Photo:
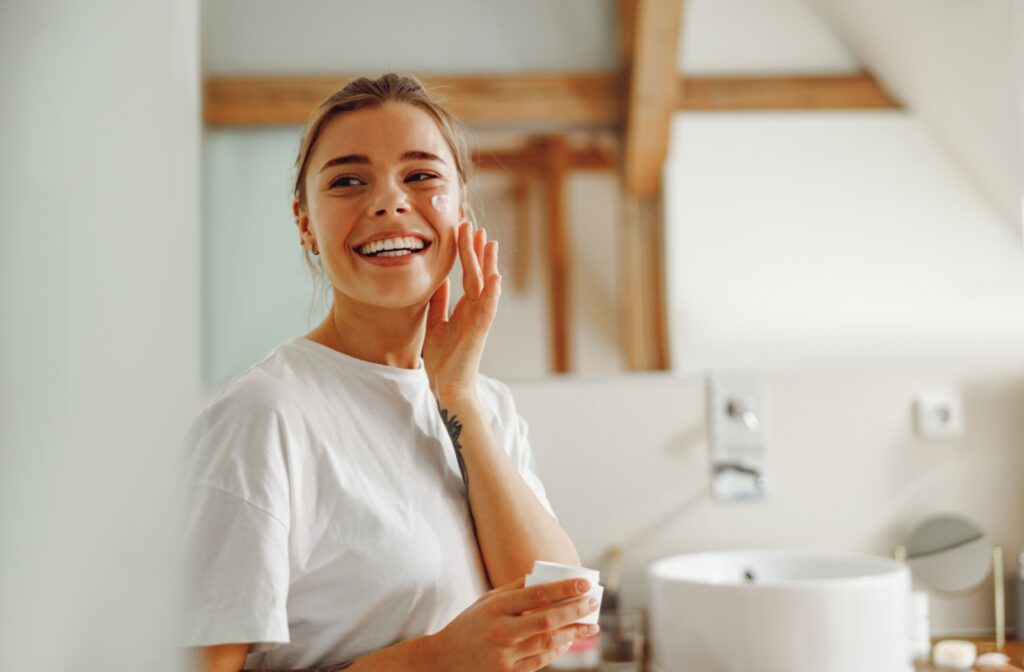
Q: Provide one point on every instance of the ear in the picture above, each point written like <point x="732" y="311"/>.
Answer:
<point x="302" y="221"/>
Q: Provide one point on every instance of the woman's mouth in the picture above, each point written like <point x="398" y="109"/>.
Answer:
<point x="395" y="250"/>
<point x="393" y="247"/>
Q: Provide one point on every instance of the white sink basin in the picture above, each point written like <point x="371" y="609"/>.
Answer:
<point x="779" y="611"/>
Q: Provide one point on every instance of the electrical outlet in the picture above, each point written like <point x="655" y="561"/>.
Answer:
<point x="939" y="413"/>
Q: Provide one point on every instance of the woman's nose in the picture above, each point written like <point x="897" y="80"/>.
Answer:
<point x="389" y="200"/>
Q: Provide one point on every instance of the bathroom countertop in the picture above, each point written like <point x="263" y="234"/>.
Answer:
<point x="1014" y="649"/>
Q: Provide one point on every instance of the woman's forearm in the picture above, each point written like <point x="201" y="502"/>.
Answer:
<point x="513" y="528"/>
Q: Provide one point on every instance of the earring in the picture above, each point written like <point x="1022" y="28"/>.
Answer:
<point x="316" y="250"/>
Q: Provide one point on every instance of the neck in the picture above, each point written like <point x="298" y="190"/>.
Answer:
<point x="389" y="336"/>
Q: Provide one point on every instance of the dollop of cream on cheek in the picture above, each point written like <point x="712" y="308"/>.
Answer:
<point x="442" y="203"/>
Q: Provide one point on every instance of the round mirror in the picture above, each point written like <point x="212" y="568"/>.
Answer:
<point x="949" y="553"/>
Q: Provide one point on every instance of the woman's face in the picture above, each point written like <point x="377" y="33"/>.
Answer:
<point x="370" y="183"/>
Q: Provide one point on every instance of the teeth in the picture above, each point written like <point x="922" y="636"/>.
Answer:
<point x="402" y="244"/>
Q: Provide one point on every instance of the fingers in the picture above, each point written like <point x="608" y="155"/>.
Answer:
<point x="550" y="618"/>
<point x="492" y="285"/>
<point x="472" y="278"/>
<point x="490" y="257"/>
<point x="479" y="240"/>
<point x="542" y="595"/>
<point x="553" y="646"/>
<point x="479" y="263"/>
<point x="437" y="307"/>
<point x="554" y="640"/>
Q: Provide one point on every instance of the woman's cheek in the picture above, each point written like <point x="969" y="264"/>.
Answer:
<point x="451" y="253"/>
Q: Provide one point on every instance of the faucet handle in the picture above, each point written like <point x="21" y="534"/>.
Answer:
<point x="740" y="411"/>
<point x="737" y="480"/>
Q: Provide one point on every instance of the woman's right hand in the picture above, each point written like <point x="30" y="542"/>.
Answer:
<point x="516" y="629"/>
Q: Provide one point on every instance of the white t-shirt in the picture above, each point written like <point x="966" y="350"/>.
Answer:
<point x="325" y="515"/>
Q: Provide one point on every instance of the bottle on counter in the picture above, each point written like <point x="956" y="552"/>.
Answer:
<point x="919" y="627"/>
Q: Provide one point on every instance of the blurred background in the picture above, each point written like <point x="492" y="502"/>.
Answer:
<point x="824" y="196"/>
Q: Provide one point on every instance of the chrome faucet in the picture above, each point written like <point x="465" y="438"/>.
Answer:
<point x="736" y="437"/>
<point x="740" y="469"/>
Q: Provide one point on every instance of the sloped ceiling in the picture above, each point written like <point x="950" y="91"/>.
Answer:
<point x="957" y="65"/>
<point x="759" y="37"/>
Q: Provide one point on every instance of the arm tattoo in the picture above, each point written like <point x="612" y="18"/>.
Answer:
<point x="454" y="428"/>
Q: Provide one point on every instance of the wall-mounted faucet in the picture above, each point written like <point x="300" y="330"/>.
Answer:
<point x="742" y="469"/>
<point x="736" y="436"/>
<point x="741" y="411"/>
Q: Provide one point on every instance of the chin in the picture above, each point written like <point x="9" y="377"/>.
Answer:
<point x="406" y="298"/>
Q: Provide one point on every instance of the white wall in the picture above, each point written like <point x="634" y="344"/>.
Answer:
<point x="835" y="239"/>
<point x="346" y="36"/>
<point x="625" y="461"/>
<point x="99" y="307"/>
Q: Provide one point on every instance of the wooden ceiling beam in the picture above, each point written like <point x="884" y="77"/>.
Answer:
<point x="534" y="158"/>
<point x="653" y="75"/>
<point x="782" y="93"/>
<point x="577" y="99"/>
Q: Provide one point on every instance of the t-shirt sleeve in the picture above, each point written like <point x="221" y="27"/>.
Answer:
<point x="236" y="572"/>
<point x="234" y="527"/>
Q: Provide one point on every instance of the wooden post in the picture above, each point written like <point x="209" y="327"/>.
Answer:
<point x="556" y="166"/>
<point x="643" y="299"/>
<point x="655" y="268"/>
<point x="524" y="252"/>
<point x="632" y="297"/>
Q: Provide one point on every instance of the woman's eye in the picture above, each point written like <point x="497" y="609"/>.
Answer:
<point x="420" y="177"/>
<point x="346" y="181"/>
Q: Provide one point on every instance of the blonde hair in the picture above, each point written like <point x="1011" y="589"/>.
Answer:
<point x="368" y="93"/>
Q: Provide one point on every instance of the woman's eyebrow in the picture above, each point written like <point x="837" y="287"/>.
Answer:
<point x="344" y="160"/>
<point x="413" y="155"/>
<point x="417" y="155"/>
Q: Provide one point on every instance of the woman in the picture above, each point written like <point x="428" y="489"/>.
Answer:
<point x="354" y="496"/>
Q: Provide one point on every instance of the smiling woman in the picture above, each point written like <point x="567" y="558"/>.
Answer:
<point x="330" y="518"/>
